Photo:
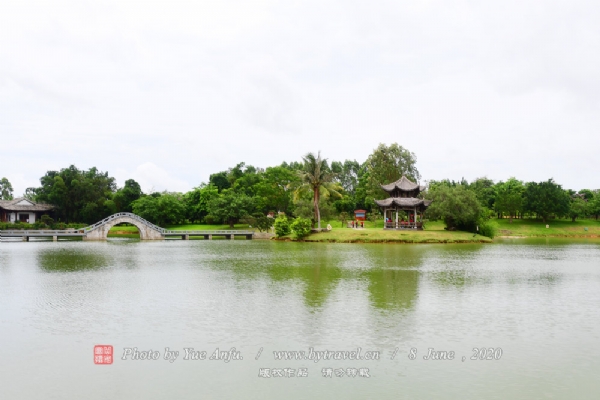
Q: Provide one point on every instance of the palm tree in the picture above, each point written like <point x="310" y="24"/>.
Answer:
<point x="315" y="175"/>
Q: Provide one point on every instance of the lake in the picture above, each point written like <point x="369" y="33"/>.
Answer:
<point x="516" y="319"/>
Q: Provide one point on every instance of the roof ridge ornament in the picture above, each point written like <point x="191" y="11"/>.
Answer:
<point x="403" y="184"/>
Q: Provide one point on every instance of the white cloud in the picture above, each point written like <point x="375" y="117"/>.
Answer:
<point x="153" y="178"/>
<point x="197" y="86"/>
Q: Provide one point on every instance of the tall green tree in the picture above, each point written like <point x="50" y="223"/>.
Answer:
<point x="79" y="195"/>
<point x="160" y="208"/>
<point x="30" y="193"/>
<point x="546" y="199"/>
<point x="196" y="201"/>
<point x="220" y="180"/>
<point x="245" y="178"/>
<point x="387" y="164"/>
<point x="347" y="175"/>
<point x="485" y="191"/>
<point x="230" y="206"/>
<point x="578" y="208"/>
<point x="594" y="204"/>
<point x="509" y="197"/>
<point x="6" y="189"/>
<point x="274" y="191"/>
<point x="124" y="197"/>
<point x="361" y="194"/>
<point x="317" y="177"/>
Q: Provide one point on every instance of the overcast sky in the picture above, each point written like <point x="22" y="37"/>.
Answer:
<point x="168" y="92"/>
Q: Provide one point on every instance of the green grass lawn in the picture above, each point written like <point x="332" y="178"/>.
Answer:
<point x="375" y="235"/>
<point x="373" y="232"/>
<point x="557" y="228"/>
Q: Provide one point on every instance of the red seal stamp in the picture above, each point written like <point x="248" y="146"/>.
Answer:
<point x="103" y="354"/>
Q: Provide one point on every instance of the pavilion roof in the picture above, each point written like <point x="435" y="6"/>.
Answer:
<point x="403" y="202"/>
<point x="403" y="184"/>
<point x="23" y="204"/>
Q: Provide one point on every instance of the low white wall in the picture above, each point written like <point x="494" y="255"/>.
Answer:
<point x="17" y="216"/>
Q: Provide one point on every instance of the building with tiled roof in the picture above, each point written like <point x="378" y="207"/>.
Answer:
<point x="22" y="210"/>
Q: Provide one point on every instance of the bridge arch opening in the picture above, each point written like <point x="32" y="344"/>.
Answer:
<point x="138" y="226"/>
<point x="124" y="230"/>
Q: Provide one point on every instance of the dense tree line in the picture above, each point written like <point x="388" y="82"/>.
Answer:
<point x="312" y="188"/>
<point x="470" y="206"/>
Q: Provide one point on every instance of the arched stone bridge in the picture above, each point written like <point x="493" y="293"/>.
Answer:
<point x="99" y="231"/>
<point x="148" y="231"/>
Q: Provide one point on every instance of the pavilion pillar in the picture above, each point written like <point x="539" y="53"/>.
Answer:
<point x="396" y="218"/>
<point x="55" y="238"/>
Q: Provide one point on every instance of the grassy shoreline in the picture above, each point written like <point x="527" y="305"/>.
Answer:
<point x="342" y="235"/>
<point x="434" y="232"/>
<point x="526" y="228"/>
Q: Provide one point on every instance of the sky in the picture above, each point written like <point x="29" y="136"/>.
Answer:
<point x="168" y="92"/>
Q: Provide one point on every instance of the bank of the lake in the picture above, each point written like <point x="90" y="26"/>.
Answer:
<point x="586" y="228"/>
<point x="434" y="232"/>
<point x="341" y="235"/>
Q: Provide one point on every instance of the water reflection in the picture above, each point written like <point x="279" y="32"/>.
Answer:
<point x="70" y="259"/>
<point x="394" y="276"/>
<point x="455" y="277"/>
<point x="318" y="268"/>
<point x="4" y="259"/>
<point x="393" y="289"/>
<point x="391" y="273"/>
<point x="129" y="252"/>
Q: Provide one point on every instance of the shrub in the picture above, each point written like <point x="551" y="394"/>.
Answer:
<point x="264" y="223"/>
<point x="46" y="220"/>
<point x="488" y="228"/>
<point x="211" y="220"/>
<point x="282" y="226"/>
<point x="457" y="206"/>
<point x="344" y="216"/>
<point x="248" y="220"/>
<point x="301" y="227"/>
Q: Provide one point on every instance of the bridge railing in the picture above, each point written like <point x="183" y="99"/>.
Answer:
<point x="22" y="232"/>
<point x="210" y="232"/>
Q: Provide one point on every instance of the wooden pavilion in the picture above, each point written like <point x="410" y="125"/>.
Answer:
<point x="403" y="197"/>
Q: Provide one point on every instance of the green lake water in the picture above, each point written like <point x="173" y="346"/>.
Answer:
<point x="538" y="301"/>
